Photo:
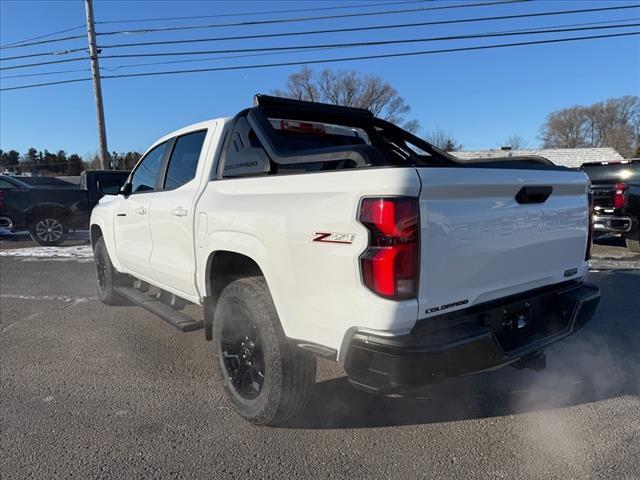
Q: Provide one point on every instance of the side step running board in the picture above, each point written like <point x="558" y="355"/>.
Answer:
<point x="182" y="322"/>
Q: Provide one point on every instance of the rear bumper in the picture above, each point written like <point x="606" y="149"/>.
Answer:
<point x="612" y="224"/>
<point x="474" y="340"/>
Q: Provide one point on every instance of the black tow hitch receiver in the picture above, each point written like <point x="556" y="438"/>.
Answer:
<point x="514" y="321"/>
<point x="536" y="361"/>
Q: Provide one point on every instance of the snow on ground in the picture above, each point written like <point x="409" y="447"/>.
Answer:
<point x="79" y="252"/>
<point x="621" y="259"/>
<point x="596" y="264"/>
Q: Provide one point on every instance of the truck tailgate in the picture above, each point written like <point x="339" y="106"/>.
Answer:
<point x="603" y="198"/>
<point x="479" y="243"/>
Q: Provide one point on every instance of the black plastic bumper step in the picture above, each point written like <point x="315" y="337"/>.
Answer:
<point x="179" y="320"/>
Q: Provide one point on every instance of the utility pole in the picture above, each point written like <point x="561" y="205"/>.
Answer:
<point x="97" y="87"/>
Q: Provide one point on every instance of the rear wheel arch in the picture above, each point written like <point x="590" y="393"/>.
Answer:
<point x="223" y="267"/>
<point x="38" y="211"/>
<point x="98" y="229"/>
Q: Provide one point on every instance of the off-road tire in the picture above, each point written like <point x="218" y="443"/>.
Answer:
<point x="289" y="373"/>
<point x="108" y="277"/>
<point x="48" y="230"/>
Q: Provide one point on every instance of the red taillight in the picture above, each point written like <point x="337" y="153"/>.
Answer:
<point x="620" y="196"/>
<point x="391" y="264"/>
<point x="302" y="127"/>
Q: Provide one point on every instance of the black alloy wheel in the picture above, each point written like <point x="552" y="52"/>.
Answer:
<point x="242" y="355"/>
<point x="48" y="231"/>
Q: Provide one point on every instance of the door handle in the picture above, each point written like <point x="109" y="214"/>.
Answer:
<point x="179" y="212"/>
<point x="534" y="194"/>
<point x="141" y="210"/>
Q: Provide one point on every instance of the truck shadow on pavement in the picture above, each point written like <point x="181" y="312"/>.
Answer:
<point x="600" y="362"/>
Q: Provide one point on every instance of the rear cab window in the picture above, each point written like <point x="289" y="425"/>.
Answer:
<point x="301" y="136"/>
<point x="184" y="159"/>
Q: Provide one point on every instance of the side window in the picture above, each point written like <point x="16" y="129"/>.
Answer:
<point x="6" y="184"/>
<point x="145" y="176"/>
<point x="184" y="159"/>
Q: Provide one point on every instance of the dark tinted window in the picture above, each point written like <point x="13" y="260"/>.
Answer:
<point x="47" y="182"/>
<point x="300" y="141"/>
<point x="184" y="159"/>
<point x="612" y="173"/>
<point x="145" y="175"/>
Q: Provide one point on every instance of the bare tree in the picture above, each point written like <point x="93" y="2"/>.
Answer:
<point x="516" y="142"/>
<point x="612" y="123"/>
<point x="443" y="140"/>
<point x="351" y="89"/>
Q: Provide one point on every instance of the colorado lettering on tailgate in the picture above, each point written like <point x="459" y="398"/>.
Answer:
<point x="446" y="306"/>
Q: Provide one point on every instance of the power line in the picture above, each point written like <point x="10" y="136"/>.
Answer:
<point x="41" y="54"/>
<point x="373" y="57"/>
<point x="309" y="19"/>
<point x="372" y="27"/>
<point x="332" y="60"/>
<point x="316" y="48"/>
<point x="339" y="30"/>
<point x="355" y="44"/>
<point x="14" y="44"/>
<point x="305" y="48"/>
<point x="40" y="74"/>
<point x="208" y="59"/>
<point x="50" y="62"/>
<point x="40" y="42"/>
<point x="532" y="31"/>
<point x="117" y="67"/>
<point x="272" y="12"/>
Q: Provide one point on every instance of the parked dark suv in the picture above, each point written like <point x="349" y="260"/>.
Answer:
<point x="615" y="187"/>
<point x="49" y="207"/>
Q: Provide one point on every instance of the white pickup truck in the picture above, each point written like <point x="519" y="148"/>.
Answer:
<point x="313" y="230"/>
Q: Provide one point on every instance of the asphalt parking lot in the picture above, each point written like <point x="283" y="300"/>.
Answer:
<point x="90" y="391"/>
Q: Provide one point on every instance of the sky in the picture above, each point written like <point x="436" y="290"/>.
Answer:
<point x="480" y="97"/>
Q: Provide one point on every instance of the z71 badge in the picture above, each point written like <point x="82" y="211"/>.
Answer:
<point x="333" y="237"/>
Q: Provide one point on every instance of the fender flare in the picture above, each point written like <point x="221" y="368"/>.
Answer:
<point x="47" y="205"/>
<point x="108" y="241"/>
<point x="249" y="246"/>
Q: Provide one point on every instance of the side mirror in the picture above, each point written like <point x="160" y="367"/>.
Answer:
<point x="109" y="187"/>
